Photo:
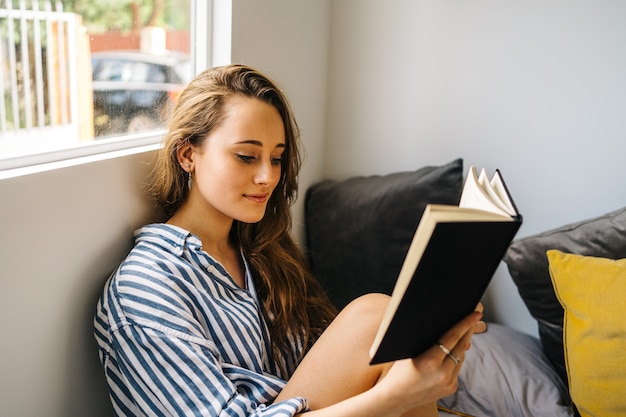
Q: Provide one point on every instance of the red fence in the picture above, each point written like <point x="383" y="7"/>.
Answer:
<point x="174" y="41"/>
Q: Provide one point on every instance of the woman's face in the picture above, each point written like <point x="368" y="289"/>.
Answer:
<point x="238" y="165"/>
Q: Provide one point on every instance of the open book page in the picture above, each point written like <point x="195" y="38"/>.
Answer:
<point x="493" y="194"/>
<point x="482" y="194"/>
<point x="497" y="183"/>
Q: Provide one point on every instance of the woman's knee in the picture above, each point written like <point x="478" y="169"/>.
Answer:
<point x="367" y="310"/>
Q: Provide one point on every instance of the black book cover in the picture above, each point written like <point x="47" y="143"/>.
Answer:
<point x="450" y="279"/>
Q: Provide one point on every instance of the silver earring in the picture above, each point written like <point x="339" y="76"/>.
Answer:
<point x="189" y="181"/>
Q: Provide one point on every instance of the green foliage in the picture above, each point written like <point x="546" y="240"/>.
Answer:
<point x="115" y="15"/>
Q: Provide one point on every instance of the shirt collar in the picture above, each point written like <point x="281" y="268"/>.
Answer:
<point x="172" y="238"/>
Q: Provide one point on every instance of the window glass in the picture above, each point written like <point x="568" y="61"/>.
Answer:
<point x="74" y="72"/>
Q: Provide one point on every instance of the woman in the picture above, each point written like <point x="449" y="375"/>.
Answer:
<point x="215" y="313"/>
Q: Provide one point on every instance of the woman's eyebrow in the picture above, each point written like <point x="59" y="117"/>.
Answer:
<point x="257" y="143"/>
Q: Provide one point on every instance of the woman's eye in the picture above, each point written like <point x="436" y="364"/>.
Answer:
<point x="277" y="160"/>
<point x="246" y="158"/>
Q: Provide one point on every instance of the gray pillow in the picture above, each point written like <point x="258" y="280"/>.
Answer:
<point x="506" y="373"/>
<point x="359" y="230"/>
<point x="603" y="236"/>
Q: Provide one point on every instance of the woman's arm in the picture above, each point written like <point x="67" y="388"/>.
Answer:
<point x="165" y="374"/>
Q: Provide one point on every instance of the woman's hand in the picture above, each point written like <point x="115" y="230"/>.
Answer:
<point x="433" y="374"/>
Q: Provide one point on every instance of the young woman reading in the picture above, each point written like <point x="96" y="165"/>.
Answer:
<point x="214" y="312"/>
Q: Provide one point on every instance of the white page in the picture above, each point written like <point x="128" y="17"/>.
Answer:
<point x="475" y="196"/>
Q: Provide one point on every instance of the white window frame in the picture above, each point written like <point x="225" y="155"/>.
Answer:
<point x="210" y="45"/>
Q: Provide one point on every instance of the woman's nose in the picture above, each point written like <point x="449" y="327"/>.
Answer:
<point x="265" y="174"/>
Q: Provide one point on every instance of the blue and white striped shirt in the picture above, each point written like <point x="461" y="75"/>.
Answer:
<point x="177" y="336"/>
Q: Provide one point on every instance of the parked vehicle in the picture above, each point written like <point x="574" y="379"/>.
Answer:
<point x="135" y="91"/>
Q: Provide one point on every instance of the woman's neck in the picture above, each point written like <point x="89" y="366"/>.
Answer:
<point x="214" y="233"/>
<point x="212" y="227"/>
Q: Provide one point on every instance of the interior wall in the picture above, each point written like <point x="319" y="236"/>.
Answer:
<point x="63" y="232"/>
<point x="534" y="88"/>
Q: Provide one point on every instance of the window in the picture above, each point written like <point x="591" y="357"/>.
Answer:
<point x="84" y="76"/>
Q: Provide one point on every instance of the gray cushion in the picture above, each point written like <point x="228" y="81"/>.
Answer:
<point x="506" y="373"/>
<point x="603" y="236"/>
<point x="359" y="230"/>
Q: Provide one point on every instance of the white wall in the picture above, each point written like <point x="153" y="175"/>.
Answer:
<point x="534" y="88"/>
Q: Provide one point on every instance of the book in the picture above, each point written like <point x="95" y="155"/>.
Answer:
<point x="452" y="257"/>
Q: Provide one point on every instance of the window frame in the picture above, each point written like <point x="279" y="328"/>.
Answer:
<point x="204" y="15"/>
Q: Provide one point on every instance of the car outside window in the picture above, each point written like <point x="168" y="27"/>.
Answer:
<point x="135" y="91"/>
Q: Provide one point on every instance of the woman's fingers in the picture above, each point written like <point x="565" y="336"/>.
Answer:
<point x="449" y="354"/>
<point x="458" y="339"/>
<point x="481" y="326"/>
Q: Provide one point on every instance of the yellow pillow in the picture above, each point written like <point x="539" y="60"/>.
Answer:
<point x="593" y="293"/>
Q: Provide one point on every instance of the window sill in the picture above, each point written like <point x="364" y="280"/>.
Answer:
<point x="89" y="152"/>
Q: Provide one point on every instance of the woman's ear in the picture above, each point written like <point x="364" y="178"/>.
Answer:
<point x="184" y="154"/>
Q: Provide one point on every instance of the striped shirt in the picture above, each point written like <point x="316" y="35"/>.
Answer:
<point x="177" y="336"/>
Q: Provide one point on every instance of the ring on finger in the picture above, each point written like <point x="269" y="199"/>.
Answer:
<point x="455" y="358"/>
<point x="449" y="354"/>
<point x="443" y="348"/>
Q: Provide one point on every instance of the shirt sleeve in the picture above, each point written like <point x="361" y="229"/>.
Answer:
<point x="169" y="374"/>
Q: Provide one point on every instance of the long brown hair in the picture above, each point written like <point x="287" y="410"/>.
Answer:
<point x="298" y="306"/>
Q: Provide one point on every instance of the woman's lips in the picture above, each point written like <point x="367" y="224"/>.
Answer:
<point x="257" y="198"/>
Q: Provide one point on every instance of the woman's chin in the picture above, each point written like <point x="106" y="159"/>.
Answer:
<point x="250" y="219"/>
